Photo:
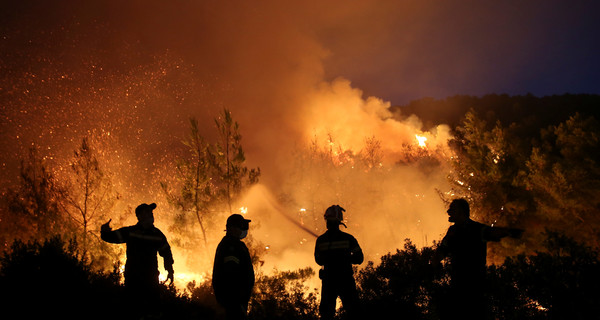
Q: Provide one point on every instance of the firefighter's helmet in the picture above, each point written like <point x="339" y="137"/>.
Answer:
<point x="335" y="213"/>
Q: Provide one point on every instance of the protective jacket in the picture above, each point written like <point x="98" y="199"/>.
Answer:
<point x="337" y="251"/>
<point x="142" y="246"/>
<point x="233" y="274"/>
<point x="466" y="245"/>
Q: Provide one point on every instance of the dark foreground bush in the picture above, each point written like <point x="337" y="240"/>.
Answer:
<point x="559" y="283"/>
<point x="284" y="295"/>
<point x="47" y="280"/>
<point x="404" y="284"/>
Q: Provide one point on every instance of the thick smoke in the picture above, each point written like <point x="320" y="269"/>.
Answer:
<point x="385" y="204"/>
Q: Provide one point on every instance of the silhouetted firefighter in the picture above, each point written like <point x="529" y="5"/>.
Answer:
<point x="465" y="244"/>
<point x="337" y="251"/>
<point x="233" y="275"/>
<point x="143" y="241"/>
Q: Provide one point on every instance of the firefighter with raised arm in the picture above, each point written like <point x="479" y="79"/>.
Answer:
<point x="233" y="274"/>
<point x="465" y="244"/>
<point x="143" y="241"/>
<point x="336" y="251"/>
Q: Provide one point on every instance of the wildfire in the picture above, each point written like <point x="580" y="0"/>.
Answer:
<point x="243" y="210"/>
<point x="421" y="140"/>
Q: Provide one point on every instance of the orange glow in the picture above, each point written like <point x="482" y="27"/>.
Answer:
<point x="183" y="278"/>
<point x="421" y="140"/>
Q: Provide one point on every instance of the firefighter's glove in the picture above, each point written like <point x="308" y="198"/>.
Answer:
<point x="170" y="277"/>
<point x="106" y="227"/>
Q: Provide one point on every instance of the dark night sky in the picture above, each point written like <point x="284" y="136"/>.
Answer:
<point x="442" y="48"/>
<point x="394" y="50"/>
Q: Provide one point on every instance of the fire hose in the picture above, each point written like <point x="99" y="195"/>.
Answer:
<point x="275" y="204"/>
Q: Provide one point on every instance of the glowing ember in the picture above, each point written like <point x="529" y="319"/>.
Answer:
<point x="421" y="140"/>
<point x="243" y="210"/>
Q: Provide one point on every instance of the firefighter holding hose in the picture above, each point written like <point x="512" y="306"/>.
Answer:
<point x="336" y="251"/>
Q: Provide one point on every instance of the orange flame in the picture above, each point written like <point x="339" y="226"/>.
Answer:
<point x="421" y="140"/>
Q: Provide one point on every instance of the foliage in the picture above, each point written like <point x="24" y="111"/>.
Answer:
<point x="486" y="165"/>
<point x="228" y="160"/>
<point x="485" y="168"/>
<point x="33" y="206"/>
<point x="559" y="282"/>
<point x="211" y="179"/>
<point x="49" y="276"/>
<point x="549" y="184"/>
<point x="45" y="279"/>
<point x="404" y="283"/>
<point x="197" y="192"/>
<point x="319" y="173"/>
<point x="88" y="196"/>
<point x="563" y="174"/>
<point x="284" y="295"/>
<point x="324" y="172"/>
<point x="371" y="155"/>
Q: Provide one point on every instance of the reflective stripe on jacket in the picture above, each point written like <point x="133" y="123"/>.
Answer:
<point x="142" y="247"/>
<point x="233" y="274"/>
<point x="337" y="251"/>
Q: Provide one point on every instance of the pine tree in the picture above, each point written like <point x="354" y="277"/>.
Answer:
<point x="485" y="170"/>
<point x="211" y="178"/>
<point x="564" y="176"/>
<point x="89" y="195"/>
<point x="197" y="190"/>
<point x="34" y="210"/>
<point x="228" y="160"/>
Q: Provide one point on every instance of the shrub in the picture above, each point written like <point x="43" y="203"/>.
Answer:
<point x="284" y="295"/>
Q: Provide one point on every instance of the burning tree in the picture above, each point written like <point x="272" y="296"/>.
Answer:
<point x="372" y="156"/>
<point x="213" y="177"/>
<point x="196" y="193"/>
<point x="89" y="194"/>
<point x="33" y="206"/>
<point x="318" y="174"/>
<point x="228" y="160"/>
